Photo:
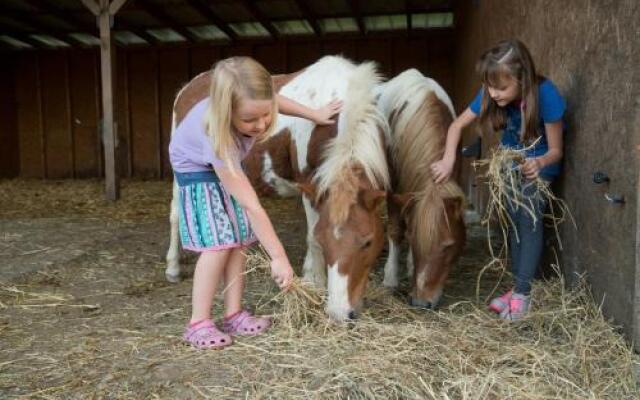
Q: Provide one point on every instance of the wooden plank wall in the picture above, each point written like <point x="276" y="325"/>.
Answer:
<point x="57" y="118"/>
<point x="9" y="161"/>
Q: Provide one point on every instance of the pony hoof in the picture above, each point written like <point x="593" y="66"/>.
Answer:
<point x="390" y="283"/>
<point x="173" y="278"/>
<point x="419" y="303"/>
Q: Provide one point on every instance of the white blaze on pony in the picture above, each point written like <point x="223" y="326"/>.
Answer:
<point x="341" y="169"/>
<point x="419" y="113"/>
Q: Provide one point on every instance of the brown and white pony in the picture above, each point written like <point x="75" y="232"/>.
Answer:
<point x="340" y="169"/>
<point x="419" y="113"/>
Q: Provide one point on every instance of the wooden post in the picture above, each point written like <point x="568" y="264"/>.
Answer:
<point x="105" y="11"/>
<point x="108" y="132"/>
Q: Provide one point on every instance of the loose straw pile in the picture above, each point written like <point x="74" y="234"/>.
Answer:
<point x="505" y="180"/>
<point x="302" y="304"/>
<point x="106" y="325"/>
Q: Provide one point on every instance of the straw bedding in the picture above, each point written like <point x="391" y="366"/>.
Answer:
<point x="106" y="325"/>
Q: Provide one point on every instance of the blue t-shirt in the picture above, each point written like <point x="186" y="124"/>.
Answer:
<point x="551" y="108"/>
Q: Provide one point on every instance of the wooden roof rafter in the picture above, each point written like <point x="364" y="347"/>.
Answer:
<point x="261" y="18"/>
<point x="203" y="21"/>
<point x="114" y="7"/>
<point x="25" y="38"/>
<point x="309" y="16"/>
<point x="357" y="14"/>
<point x="41" y="29"/>
<point x="68" y="18"/>
<point x="204" y="9"/>
<point x="166" y="19"/>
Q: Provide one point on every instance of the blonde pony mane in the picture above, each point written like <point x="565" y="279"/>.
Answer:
<point x="358" y="148"/>
<point x="419" y="113"/>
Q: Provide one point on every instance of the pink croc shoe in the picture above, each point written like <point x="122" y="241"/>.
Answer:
<point x="519" y="307"/>
<point x="245" y="324"/>
<point x="499" y="304"/>
<point x="205" y="335"/>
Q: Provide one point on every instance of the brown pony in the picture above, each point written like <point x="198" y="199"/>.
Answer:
<point x="429" y="214"/>
<point x="340" y="169"/>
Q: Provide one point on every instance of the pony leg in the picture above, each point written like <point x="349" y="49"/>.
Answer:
<point x="410" y="266"/>
<point x="313" y="269"/>
<point x="391" y="266"/>
<point x="172" y="273"/>
<point x="395" y="235"/>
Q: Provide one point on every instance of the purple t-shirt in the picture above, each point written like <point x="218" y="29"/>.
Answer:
<point x="191" y="150"/>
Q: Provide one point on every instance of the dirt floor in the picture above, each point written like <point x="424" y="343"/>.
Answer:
<point x="85" y="310"/>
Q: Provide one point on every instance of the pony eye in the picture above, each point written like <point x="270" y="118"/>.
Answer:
<point x="366" y="244"/>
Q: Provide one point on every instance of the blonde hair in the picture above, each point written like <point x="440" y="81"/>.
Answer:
<point x="233" y="80"/>
<point x="509" y="58"/>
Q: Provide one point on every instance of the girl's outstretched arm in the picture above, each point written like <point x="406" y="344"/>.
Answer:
<point x="238" y="185"/>
<point x="321" y="116"/>
<point x="442" y="169"/>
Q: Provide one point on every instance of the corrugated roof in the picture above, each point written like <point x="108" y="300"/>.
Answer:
<point x="249" y="29"/>
<point x="294" y="27"/>
<point x="63" y="23"/>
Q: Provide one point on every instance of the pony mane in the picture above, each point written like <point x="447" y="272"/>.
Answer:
<point x="420" y="113"/>
<point x="359" y="145"/>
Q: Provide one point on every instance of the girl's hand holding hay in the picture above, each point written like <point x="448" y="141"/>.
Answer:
<point x="300" y="303"/>
<point x="531" y="167"/>
<point x="281" y="272"/>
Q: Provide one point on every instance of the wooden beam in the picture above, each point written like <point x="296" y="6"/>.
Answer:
<point x="261" y="18"/>
<point x="112" y="182"/>
<point x="63" y="15"/>
<point x="25" y="38"/>
<point x="166" y="19"/>
<point x="309" y="16"/>
<point x="357" y="13"/>
<point x="115" y="6"/>
<point x="207" y="12"/>
<point x="92" y="6"/>
<point x="38" y="27"/>
<point x="142" y="34"/>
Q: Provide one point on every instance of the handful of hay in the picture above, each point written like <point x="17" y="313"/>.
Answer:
<point x="302" y="304"/>
<point x="505" y="181"/>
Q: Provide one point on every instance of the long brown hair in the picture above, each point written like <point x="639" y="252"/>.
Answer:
<point x="509" y="58"/>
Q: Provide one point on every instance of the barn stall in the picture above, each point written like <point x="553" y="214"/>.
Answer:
<point x="83" y="293"/>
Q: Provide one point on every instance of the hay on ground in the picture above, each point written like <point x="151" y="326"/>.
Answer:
<point x="106" y="325"/>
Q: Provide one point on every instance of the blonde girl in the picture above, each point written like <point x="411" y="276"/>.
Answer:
<point x="528" y="110"/>
<point x="220" y="214"/>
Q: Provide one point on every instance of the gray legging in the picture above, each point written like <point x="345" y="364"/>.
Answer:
<point x="527" y="251"/>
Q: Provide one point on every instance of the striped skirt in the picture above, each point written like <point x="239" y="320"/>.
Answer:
<point x="210" y="218"/>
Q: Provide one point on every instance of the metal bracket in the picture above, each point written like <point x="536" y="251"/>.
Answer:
<point x="599" y="178"/>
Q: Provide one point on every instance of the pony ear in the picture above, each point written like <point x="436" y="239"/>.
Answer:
<point x="401" y="200"/>
<point x="372" y="198"/>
